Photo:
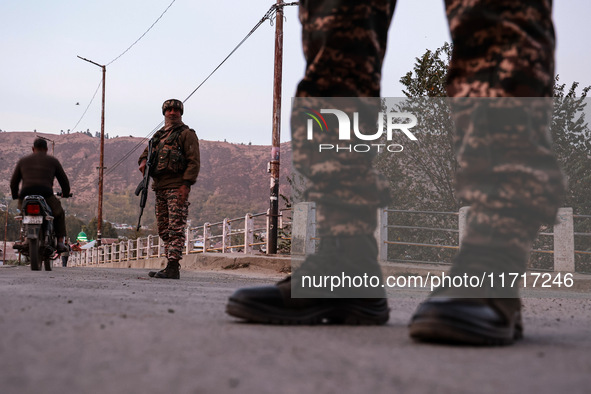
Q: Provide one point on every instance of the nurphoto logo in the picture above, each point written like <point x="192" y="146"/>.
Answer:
<point x="388" y="123"/>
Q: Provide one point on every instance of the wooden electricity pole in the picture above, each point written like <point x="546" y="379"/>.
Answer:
<point x="275" y="149"/>
<point x="5" y="232"/>
<point x="99" y="224"/>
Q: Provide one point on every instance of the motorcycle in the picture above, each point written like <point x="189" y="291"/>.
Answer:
<point x="39" y="241"/>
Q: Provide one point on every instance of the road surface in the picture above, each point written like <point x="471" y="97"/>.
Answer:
<point x="100" y="330"/>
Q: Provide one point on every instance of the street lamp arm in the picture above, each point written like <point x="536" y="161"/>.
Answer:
<point x="90" y="61"/>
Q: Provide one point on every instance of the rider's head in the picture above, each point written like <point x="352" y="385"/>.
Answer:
<point x="40" y="145"/>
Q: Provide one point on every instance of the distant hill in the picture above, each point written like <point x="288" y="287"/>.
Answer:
<point x="233" y="178"/>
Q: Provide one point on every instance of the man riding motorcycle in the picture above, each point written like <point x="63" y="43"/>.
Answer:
<point x="37" y="172"/>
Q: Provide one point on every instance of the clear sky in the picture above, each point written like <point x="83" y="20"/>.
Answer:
<point x="41" y="79"/>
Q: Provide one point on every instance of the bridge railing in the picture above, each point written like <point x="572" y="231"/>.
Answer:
<point x="401" y="234"/>
<point x="243" y="235"/>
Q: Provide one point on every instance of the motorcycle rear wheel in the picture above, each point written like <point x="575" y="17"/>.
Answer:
<point x="34" y="255"/>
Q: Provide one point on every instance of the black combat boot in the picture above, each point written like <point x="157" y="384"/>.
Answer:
<point x="468" y="321"/>
<point x="350" y="256"/>
<point x="170" y="272"/>
<point x="61" y="246"/>
<point x="487" y="315"/>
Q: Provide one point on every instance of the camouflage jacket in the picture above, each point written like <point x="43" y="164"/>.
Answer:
<point x="175" y="158"/>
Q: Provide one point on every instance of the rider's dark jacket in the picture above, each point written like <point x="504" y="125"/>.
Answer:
<point x="37" y="172"/>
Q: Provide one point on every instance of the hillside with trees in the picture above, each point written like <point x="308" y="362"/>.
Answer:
<point x="233" y="179"/>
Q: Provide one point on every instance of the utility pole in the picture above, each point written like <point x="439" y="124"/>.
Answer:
<point x="101" y="168"/>
<point x="5" y="232"/>
<point x="275" y="149"/>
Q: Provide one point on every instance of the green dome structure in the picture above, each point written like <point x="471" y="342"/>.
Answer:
<point x="82" y="237"/>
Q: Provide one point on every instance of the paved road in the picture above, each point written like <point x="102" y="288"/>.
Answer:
<point x="98" y="330"/>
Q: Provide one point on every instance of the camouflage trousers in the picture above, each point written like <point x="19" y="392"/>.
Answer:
<point x="171" y="218"/>
<point x="501" y="48"/>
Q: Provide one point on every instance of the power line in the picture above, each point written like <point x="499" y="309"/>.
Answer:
<point x="142" y="36"/>
<point x="139" y="144"/>
<point x="123" y="53"/>
<point x="91" y="100"/>
<point x="268" y="15"/>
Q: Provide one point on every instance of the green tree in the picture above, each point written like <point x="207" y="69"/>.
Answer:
<point x="124" y="208"/>
<point x="429" y="73"/>
<point x="572" y="143"/>
<point x="107" y="230"/>
<point x="73" y="227"/>
<point x="425" y="169"/>
<point x="11" y="225"/>
<point x="421" y="177"/>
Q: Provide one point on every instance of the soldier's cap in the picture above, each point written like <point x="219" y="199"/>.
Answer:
<point x="40" y="143"/>
<point x="172" y="103"/>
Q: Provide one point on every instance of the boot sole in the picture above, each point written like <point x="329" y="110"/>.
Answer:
<point x="457" y="331"/>
<point x="353" y="312"/>
<point x="154" y="274"/>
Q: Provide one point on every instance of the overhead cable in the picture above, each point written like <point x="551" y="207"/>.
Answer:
<point x="88" y="106"/>
<point x="270" y="14"/>
<point x="146" y="32"/>
<point x="123" y="53"/>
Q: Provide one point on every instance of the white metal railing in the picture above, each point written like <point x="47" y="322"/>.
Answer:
<point x="247" y="235"/>
<point x="243" y="235"/>
<point x="563" y="250"/>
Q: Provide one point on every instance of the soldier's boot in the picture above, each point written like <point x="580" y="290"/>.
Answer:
<point x="470" y="321"/>
<point x="487" y="316"/>
<point x="151" y="274"/>
<point x="61" y="246"/>
<point x="171" y="271"/>
<point x="21" y="247"/>
<point x="275" y="304"/>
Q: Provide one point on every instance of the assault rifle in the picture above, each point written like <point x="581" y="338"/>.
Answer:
<point x="142" y="187"/>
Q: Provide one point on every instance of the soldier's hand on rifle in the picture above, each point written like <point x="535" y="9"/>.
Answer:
<point x="183" y="193"/>
<point x="142" y="167"/>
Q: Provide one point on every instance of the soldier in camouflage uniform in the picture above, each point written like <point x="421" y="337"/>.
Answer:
<point x="175" y="166"/>
<point x="508" y="173"/>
